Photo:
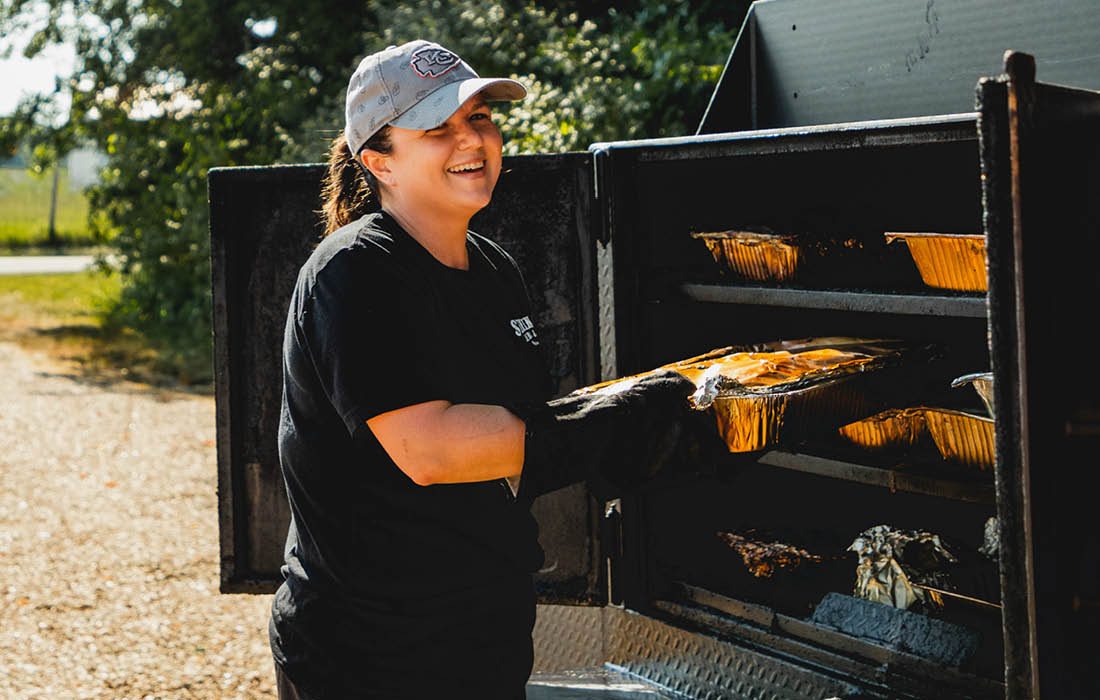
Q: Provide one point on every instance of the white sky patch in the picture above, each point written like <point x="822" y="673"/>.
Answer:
<point x="20" y="76"/>
<point x="262" y="28"/>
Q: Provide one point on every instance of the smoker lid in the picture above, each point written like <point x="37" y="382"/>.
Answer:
<point x="801" y="62"/>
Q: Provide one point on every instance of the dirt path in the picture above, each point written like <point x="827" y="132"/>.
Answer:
<point x="109" y="546"/>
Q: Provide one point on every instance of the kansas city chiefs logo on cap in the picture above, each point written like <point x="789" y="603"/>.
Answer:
<point x="432" y="62"/>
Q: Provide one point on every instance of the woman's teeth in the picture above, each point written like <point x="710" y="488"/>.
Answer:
<point x="467" y="167"/>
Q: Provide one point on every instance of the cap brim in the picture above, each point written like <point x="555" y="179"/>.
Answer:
<point x="438" y="106"/>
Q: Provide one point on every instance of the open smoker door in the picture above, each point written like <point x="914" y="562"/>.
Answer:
<point x="1040" y="151"/>
<point x="263" y="225"/>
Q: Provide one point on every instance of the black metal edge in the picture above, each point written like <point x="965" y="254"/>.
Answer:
<point x="626" y="273"/>
<point x="223" y="375"/>
<point x="589" y="222"/>
<point x="1029" y="116"/>
<point x="869" y="302"/>
<point x="998" y="104"/>
<point x="635" y="567"/>
<point x="252" y="171"/>
<point x="235" y="575"/>
<point x="1066" y="104"/>
<point x="886" y="132"/>
<point x="578" y="592"/>
<point x="886" y="478"/>
<point x="748" y="612"/>
<point x="249" y="586"/>
<point x="726" y="109"/>
<point x="310" y="171"/>
<point x="588" y="295"/>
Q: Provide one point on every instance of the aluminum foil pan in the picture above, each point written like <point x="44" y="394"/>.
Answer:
<point x="947" y="261"/>
<point x="784" y="391"/>
<point x="962" y="438"/>
<point x="750" y="422"/>
<point x="982" y="383"/>
<point x="759" y="255"/>
<point x="896" y="428"/>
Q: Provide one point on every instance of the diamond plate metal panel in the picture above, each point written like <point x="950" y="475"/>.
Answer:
<point x="605" y="280"/>
<point x="704" y="667"/>
<point x="594" y="684"/>
<point x="568" y="637"/>
<point x="691" y="664"/>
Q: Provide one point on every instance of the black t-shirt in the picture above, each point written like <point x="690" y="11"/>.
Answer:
<point x="388" y="582"/>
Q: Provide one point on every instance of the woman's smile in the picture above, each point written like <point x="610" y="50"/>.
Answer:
<point x="472" y="168"/>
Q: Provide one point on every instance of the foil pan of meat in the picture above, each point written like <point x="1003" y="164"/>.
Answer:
<point x="892" y="429"/>
<point x="982" y="383"/>
<point x="947" y="261"/>
<point x="787" y="391"/>
<point x="962" y="438"/>
<point x="763" y="399"/>
<point x="758" y="255"/>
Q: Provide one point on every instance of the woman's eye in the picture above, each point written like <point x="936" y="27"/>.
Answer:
<point x="479" y="115"/>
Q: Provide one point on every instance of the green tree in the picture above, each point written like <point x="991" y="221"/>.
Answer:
<point x="171" y="89"/>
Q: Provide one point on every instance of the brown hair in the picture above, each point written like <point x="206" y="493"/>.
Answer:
<point x="349" y="190"/>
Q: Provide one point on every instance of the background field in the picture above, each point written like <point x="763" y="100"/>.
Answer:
<point x="25" y="210"/>
<point x="67" y="318"/>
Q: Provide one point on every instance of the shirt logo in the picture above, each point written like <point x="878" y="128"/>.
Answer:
<point x="430" y="62"/>
<point x="525" y="329"/>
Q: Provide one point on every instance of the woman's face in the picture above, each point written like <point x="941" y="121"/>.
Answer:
<point x="454" y="166"/>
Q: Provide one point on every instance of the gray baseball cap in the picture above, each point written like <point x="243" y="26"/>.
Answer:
<point x="417" y="85"/>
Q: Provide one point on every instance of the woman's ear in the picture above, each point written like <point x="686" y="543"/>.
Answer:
<point x="378" y="164"/>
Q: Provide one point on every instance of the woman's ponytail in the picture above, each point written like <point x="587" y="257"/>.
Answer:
<point x="349" y="190"/>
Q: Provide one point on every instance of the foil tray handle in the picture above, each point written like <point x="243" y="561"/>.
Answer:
<point x="983" y="384"/>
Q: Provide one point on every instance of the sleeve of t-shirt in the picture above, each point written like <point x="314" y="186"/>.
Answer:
<point x="362" y="340"/>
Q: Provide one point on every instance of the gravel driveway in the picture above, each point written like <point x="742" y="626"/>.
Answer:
<point x="109" y="547"/>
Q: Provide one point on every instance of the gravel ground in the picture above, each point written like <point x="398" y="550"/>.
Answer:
<point x="109" y="545"/>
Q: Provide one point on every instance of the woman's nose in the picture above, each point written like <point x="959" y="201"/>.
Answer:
<point x="468" y="136"/>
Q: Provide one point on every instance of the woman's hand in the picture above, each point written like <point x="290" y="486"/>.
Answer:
<point x="617" y="441"/>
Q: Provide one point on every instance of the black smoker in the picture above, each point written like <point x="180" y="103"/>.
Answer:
<point x="642" y="585"/>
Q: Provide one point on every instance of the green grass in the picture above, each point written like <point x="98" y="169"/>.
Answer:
<point x="25" y="210"/>
<point x="65" y="316"/>
<point x="60" y="299"/>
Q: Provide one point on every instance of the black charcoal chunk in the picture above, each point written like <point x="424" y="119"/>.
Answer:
<point x="900" y="630"/>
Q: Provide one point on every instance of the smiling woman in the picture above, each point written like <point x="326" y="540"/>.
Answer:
<point x="415" y="399"/>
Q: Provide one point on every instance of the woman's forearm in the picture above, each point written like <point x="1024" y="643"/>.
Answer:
<point x="438" y="442"/>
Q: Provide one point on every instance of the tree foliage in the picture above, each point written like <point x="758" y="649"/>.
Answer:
<point x="171" y="88"/>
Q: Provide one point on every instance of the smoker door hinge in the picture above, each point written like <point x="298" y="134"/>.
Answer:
<point x="601" y="190"/>
<point x="611" y="542"/>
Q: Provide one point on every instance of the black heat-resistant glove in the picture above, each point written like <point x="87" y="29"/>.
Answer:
<point x="617" y="441"/>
